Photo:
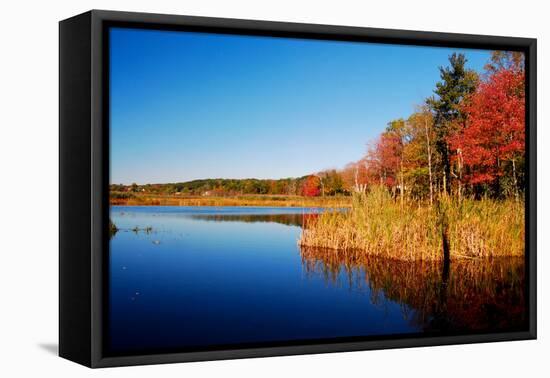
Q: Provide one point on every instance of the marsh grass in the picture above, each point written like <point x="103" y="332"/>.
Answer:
<point x="378" y="225"/>
<point x="113" y="229"/>
<point x="147" y="230"/>
<point x="245" y="200"/>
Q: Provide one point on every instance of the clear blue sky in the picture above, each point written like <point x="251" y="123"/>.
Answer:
<point x="186" y="106"/>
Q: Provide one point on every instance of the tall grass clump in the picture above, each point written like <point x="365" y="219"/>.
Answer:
<point x="113" y="229"/>
<point x="486" y="228"/>
<point x="378" y="225"/>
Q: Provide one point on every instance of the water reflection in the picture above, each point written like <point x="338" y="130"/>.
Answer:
<point x="484" y="295"/>
<point x="212" y="276"/>
<point x="286" y="219"/>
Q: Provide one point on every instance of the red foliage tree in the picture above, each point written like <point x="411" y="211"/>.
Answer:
<point x="311" y="187"/>
<point x="384" y="159"/>
<point x="494" y="132"/>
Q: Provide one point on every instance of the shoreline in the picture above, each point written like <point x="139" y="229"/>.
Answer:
<point x="375" y="224"/>
<point x="278" y="206"/>
<point x="236" y="201"/>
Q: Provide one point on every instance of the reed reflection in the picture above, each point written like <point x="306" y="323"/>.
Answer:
<point x="484" y="295"/>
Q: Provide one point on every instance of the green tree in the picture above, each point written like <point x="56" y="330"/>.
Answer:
<point x="419" y="153"/>
<point x="457" y="82"/>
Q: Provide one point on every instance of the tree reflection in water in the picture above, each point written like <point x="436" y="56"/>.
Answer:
<point x="286" y="219"/>
<point x="474" y="295"/>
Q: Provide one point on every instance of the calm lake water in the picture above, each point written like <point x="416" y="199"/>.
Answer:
<point x="203" y="276"/>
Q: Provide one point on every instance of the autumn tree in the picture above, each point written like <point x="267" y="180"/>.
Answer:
<point x="311" y="186"/>
<point x="331" y="182"/>
<point x="493" y="140"/>
<point x="419" y="154"/>
<point x="354" y="177"/>
<point x="505" y="60"/>
<point x="395" y="139"/>
<point x="384" y="159"/>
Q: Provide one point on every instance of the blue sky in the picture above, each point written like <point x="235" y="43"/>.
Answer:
<point x="186" y="106"/>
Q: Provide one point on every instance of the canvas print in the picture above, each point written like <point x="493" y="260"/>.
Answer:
<point x="280" y="191"/>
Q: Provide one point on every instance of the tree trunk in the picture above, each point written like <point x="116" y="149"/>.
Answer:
<point x="445" y="182"/>
<point x="359" y="188"/>
<point x="429" y="162"/>
<point x="497" y="185"/>
<point x="446" y="169"/>
<point x="516" y="189"/>
<point x="402" y="183"/>
<point x="460" y="166"/>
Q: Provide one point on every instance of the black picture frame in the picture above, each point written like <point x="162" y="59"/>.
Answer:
<point x="84" y="179"/>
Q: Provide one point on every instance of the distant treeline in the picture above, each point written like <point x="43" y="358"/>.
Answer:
<point x="328" y="182"/>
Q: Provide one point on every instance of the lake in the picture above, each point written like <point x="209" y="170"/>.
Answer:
<point x="192" y="277"/>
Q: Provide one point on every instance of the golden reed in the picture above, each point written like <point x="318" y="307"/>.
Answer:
<point x="378" y="225"/>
